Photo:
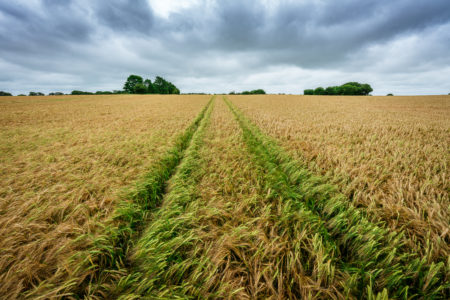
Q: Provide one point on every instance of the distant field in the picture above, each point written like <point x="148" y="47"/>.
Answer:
<point x="246" y="197"/>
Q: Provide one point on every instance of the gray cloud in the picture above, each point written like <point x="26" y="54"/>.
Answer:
<point x="215" y="45"/>
<point x="44" y="26"/>
<point x="123" y="15"/>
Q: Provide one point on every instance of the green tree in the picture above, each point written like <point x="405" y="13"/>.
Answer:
<point x="161" y="85"/>
<point x="332" y="90"/>
<point x="356" y="88"/>
<point x="76" y="92"/>
<point x="131" y="82"/>
<point x="319" y="91"/>
<point x="149" y="85"/>
<point x="135" y="84"/>
<point x="349" y="89"/>
<point x="175" y="90"/>
<point x="2" y="93"/>
<point x="258" y="92"/>
<point x="140" y="88"/>
<point x="366" y="88"/>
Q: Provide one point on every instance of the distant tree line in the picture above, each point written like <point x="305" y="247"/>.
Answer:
<point x="134" y="85"/>
<point x="76" y="92"/>
<point x="36" y="94"/>
<point x="349" y="88"/>
<point x="198" y="93"/>
<point x="137" y="85"/>
<point x="254" y="92"/>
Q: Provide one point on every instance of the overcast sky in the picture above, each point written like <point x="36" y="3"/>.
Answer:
<point x="398" y="46"/>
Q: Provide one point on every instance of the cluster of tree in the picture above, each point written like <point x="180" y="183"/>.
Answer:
<point x="36" y="94"/>
<point x="77" y="92"/>
<point x="137" y="85"/>
<point x="2" y="93"/>
<point x="254" y="92"/>
<point x="349" y="88"/>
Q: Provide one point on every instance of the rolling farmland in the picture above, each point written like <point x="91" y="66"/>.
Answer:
<point x="242" y="197"/>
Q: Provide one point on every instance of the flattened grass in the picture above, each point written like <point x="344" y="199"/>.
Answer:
<point x="259" y="244"/>
<point x="159" y="261"/>
<point x="222" y="233"/>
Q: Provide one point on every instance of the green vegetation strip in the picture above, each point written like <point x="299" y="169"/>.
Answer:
<point x="376" y="258"/>
<point x="159" y="259"/>
<point x="104" y="261"/>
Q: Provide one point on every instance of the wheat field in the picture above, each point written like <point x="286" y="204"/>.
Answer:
<point x="224" y="197"/>
<point x="389" y="155"/>
<point x="64" y="161"/>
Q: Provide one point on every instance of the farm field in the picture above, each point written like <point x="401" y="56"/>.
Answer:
<point x="63" y="162"/>
<point x="388" y="155"/>
<point x="242" y="197"/>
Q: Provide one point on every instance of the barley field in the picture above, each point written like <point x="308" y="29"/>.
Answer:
<point x="224" y="197"/>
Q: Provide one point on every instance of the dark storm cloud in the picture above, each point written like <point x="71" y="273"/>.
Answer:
<point x="239" y="24"/>
<point x="315" y="33"/>
<point x="49" y="24"/>
<point x="123" y="15"/>
<point x="214" y="45"/>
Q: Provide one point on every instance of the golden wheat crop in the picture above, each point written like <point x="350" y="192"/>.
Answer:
<point x="225" y="235"/>
<point x="256" y="243"/>
<point x="63" y="162"/>
<point x="274" y="197"/>
<point x="389" y="155"/>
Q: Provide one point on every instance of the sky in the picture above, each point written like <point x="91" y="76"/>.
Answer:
<point x="397" y="46"/>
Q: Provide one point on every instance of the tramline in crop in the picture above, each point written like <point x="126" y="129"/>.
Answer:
<point x="233" y="207"/>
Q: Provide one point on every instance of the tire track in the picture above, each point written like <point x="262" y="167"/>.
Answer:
<point x="159" y="259"/>
<point x="376" y="258"/>
<point x="92" y="272"/>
